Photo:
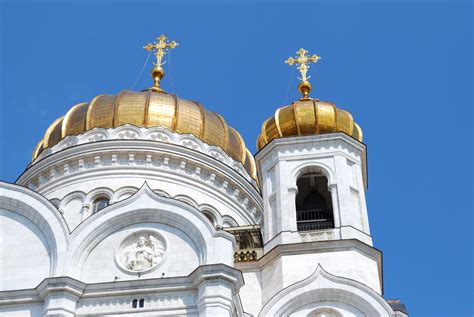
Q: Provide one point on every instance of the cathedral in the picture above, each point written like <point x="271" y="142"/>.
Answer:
<point x="146" y="204"/>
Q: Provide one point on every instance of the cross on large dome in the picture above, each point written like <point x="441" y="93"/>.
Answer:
<point x="152" y="107"/>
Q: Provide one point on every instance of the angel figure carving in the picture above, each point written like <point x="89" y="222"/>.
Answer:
<point x="144" y="253"/>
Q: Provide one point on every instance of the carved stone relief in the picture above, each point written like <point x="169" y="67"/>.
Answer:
<point x="141" y="251"/>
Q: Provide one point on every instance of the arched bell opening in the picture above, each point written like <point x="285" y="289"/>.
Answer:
<point x="314" y="209"/>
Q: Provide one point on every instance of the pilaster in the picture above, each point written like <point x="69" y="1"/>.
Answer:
<point x="217" y="286"/>
<point x="60" y="296"/>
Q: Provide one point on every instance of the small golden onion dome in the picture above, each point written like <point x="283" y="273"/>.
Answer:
<point x="149" y="109"/>
<point x="307" y="117"/>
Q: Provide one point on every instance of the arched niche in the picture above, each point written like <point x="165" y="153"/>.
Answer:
<point x="124" y="192"/>
<point x="24" y="255"/>
<point x="313" y="202"/>
<point x="146" y="208"/>
<point x="71" y="208"/>
<point x="43" y="235"/>
<point x="115" y="256"/>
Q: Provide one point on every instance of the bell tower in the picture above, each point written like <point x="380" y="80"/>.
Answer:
<point x="314" y="187"/>
<point x="313" y="173"/>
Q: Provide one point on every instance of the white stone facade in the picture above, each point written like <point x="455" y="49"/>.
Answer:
<point x="161" y="248"/>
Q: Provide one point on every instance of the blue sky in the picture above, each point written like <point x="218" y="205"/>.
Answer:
<point x="403" y="69"/>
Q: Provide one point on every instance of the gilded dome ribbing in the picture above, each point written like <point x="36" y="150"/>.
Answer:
<point x="307" y="117"/>
<point x="149" y="109"/>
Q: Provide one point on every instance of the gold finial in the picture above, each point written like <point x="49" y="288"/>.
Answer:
<point x="160" y="47"/>
<point x="303" y="60"/>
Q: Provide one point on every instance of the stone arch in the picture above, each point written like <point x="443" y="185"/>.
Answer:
<point x="100" y="191"/>
<point x="124" y="191"/>
<point x="71" y="207"/>
<point x="56" y="202"/>
<point x="303" y="167"/>
<point x="212" y="214"/>
<point x="313" y="200"/>
<point x="44" y="215"/>
<point x="228" y="221"/>
<point x="324" y="287"/>
<point x="186" y="199"/>
<point x="329" y="194"/>
<point x="101" y="196"/>
<point x="147" y="207"/>
<point x="161" y="192"/>
<point x="66" y="199"/>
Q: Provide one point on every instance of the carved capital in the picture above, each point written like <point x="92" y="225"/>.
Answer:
<point x="293" y="190"/>
<point x="332" y="188"/>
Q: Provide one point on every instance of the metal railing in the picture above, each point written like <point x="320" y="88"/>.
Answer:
<point x="308" y="220"/>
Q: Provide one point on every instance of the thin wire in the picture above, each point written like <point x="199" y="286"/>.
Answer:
<point x="289" y="84"/>
<point x="171" y="72"/>
<point x="141" y="72"/>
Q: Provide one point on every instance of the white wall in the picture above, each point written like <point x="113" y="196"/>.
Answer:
<point x="336" y="308"/>
<point x="180" y="260"/>
<point x="24" y="259"/>
<point x="25" y="310"/>
<point x="285" y="270"/>
<point x="251" y="292"/>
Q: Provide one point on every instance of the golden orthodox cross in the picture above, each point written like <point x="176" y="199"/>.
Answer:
<point x="303" y="61"/>
<point x="160" y="47"/>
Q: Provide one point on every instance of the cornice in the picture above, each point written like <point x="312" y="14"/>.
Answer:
<point x="156" y="134"/>
<point x="81" y="290"/>
<point x="314" y="247"/>
<point x="149" y="159"/>
<point x="328" y="144"/>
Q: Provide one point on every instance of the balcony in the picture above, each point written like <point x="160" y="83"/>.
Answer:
<point x="249" y="243"/>
<point x="309" y="220"/>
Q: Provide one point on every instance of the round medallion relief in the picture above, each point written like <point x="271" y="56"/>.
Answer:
<point x="141" y="251"/>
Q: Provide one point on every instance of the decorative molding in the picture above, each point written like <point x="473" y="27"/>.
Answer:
<point x="293" y="190"/>
<point x="159" y="134"/>
<point x="318" y="146"/>
<point x="142" y="251"/>
<point x="158" y="161"/>
<point x="175" y="295"/>
<point x="322" y="142"/>
<point x="142" y="207"/>
<point x="326" y="287"/>
<point x="245" y="256"/>
<point x="87" y="199"/>
<point x="123" y="304"/>
<point x="332" y="188"/>
<point x="317" y="236"/>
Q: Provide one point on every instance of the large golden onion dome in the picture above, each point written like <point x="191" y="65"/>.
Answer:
<point x="149" y="109"/>
<point x="307" y="116"/>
